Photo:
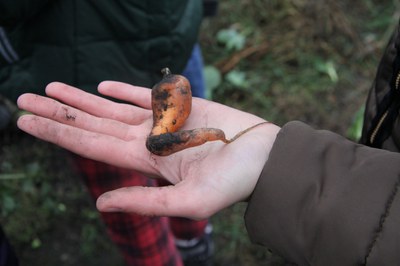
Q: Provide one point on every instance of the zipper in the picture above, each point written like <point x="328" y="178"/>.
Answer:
<point x="397" y="83"/>
<point x="383" y="117"/>
<point x="378" y="126"/>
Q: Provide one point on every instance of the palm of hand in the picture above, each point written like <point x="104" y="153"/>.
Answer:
<point x="207" y="178"/>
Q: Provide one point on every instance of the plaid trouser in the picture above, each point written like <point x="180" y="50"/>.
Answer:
<point x="143" y="240"/>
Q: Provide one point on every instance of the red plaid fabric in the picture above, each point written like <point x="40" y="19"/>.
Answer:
<point x="143" y="241"/>
<point x="186" y="229"/>
<point x="182" y="228"/>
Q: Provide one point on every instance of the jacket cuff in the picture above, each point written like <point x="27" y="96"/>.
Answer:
<point x="271" y="204"/>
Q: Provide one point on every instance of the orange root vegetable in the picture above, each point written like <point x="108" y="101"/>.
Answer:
<point x="171" y="101"/>
<point x="171" y="104"/>
<point x="169" y="143"/>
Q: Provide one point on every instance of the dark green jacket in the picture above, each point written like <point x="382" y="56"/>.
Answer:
<point x="82" y="42"/>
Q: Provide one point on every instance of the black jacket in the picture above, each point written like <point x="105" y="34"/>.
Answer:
<point x="381" y="122"/>
<point x="83" y="42"/>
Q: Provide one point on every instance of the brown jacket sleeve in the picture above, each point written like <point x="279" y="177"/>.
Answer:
<point x="323" y="200"/>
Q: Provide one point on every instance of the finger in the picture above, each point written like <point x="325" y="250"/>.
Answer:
<point x="178" y="200"/>
<point x="54" y="110"/>
<point x="139" y="96"/>
<point x="96" y="146"/>
<point x="97" y="105"/>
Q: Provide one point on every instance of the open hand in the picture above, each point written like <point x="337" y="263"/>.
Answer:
<point x="206" y="178"/>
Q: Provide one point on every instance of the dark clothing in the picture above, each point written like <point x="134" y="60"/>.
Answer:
<point x="7" y="255"/>
<point x="83" y="42"/>
<point x="328" y="201"/>
<point x="324" y="200"/>
<point x="381" y="124"/>
<point x="194" y="73"/>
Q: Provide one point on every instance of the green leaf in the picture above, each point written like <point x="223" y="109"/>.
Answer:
<point x="232" y="39"/>
<point x="8" y="204"/>
<point x="212" y="77"/>
<point x="355" y="130"/>
<point x="61" y="207"/>
<point x="36" y="243"/>
<point x="237" y="78"/>
<point x="329" y="69"/>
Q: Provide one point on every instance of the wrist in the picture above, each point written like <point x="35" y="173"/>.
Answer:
<point x="264" y="138"/>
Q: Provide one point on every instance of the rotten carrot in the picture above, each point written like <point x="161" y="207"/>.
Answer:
<point x="171" y="101"/>
<point x="171" y="105"/>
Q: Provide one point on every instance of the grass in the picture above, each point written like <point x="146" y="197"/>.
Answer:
<point x="290" y="59"/>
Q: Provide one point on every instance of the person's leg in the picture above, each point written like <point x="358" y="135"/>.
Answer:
<point x="194" y="72"/>
<point x="142" y="240"/>
<point x="194" y="241"/>
<point x="193" y="238"/>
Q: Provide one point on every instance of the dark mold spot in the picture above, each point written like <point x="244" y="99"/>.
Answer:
<point x="158" y="144"/>
<point x="160" y="95"/>
<point x="183" y="90"/>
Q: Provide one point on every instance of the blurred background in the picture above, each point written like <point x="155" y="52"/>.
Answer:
<point x="308" y="60"/>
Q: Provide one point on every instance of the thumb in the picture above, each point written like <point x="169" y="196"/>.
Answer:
<point x="154" y="201"/>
